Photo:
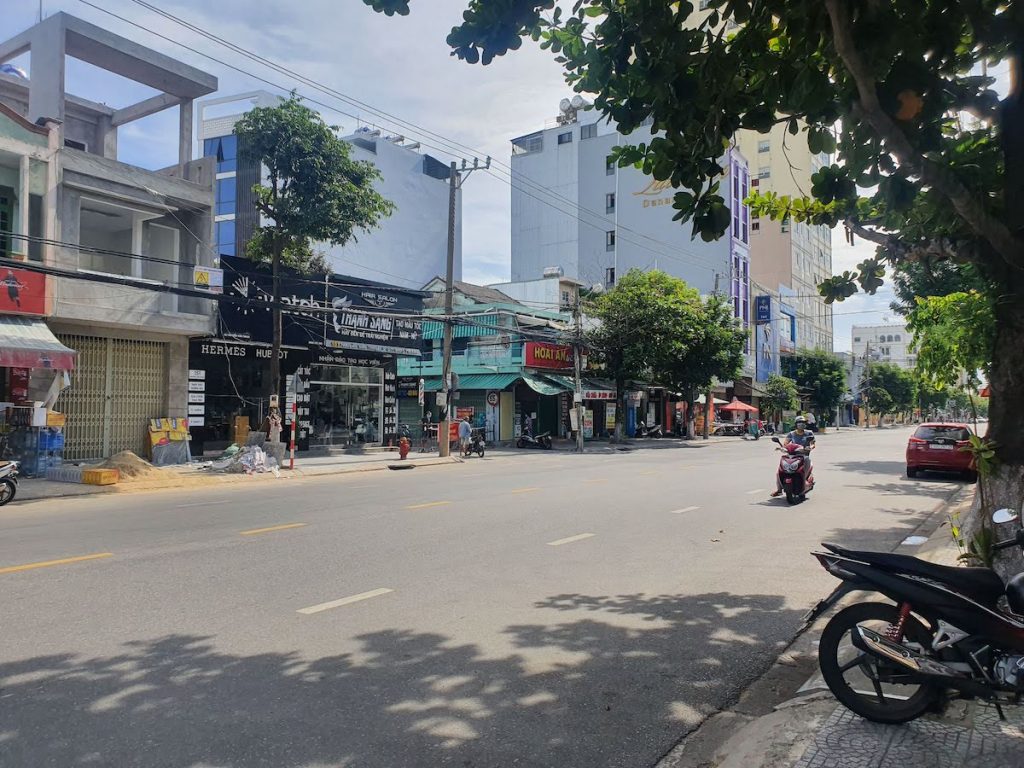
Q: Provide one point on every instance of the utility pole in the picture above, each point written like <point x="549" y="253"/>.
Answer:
<point x="577" y="354"/>
<point x="709" y="396"/>
<point x="867" y="385"/>
<point x="455" y="179"/>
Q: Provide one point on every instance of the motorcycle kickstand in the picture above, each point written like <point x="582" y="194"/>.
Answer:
<point x="999" y="711"/>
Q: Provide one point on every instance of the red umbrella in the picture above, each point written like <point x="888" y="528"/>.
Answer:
<point x="736" y="405"/>
<point x="985" y="391"/>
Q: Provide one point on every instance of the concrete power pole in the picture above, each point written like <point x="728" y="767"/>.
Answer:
<point x="455" y="179"/>
<point x="867" y="385"/>
<point x="577" y="353"/>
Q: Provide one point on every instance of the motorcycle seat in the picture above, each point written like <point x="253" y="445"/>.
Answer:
<point x="981" y="584"/>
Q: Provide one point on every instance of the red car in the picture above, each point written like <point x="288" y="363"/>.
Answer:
<point x="937" y="446"/>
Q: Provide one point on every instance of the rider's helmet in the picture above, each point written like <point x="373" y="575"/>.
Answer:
<point x="800" y="420"/>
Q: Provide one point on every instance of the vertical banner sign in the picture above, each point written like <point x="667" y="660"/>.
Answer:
<point x="763" y="309"/>
<point x="390" y="403"/>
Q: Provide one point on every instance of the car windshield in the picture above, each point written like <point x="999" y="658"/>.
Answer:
<point x="941" y="433"/>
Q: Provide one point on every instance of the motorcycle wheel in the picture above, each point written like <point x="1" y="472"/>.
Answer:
<point x="520" y="443"/>
<point x="547" y="444"/>
<point x="791" y="497"/>
<point x="480" y="452"/>
<point x="7" y="491"/>
<point x="853" y="676"/>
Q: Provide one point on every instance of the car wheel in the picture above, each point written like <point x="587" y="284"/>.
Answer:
<point x="912" y="471"/>
<point x="971" y="476"/>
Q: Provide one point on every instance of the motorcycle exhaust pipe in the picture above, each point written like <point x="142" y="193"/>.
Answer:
<point x="881" y="646"/>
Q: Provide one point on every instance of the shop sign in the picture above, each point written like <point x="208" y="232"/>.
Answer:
<point x="208" y="279"/>
<point x="22" y="292"/>
<point x="763" y="309"/>
<point x="766" y="351"/>
<point x="609" y="416"/>
<point x="598" y="394"/>
<point x="408" y="386"/>
<point x="327" y="357"/>
<point x="197" y="397"/>
<point x="196" y="410"/>
<point x="338" y="312"/>
<point x="196" y="374"/>
<point x="541" y="354"/>
<point x="588" y="423"/>
<point x="222" y="348"/>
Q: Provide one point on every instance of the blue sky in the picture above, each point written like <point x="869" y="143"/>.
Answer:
<point x="398" y="65"/>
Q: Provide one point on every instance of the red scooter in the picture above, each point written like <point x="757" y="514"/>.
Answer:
<point x="796" y="478"/>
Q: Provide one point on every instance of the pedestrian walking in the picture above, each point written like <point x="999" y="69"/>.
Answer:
<point x="425" y="426"/>
<point x="465" y="433"/>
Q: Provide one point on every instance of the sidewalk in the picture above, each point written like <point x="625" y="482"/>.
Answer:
<point x="195" y="476"/>
<point x="811" y="730"/>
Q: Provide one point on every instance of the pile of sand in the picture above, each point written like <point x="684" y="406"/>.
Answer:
<point x="131" y="467"/>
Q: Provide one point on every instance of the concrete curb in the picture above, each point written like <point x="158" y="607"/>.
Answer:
<point x="769" y="726"/>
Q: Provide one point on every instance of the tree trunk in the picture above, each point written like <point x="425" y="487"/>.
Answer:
<point x="275" y="347"/>
<point x="620" y="409"/>
<point x="691" y="416"/>
<point x="708" y="401"/>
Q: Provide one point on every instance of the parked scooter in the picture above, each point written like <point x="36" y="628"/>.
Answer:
<point x="543" y="441"/>
<point x="642" y="430"/>
<point x="953" y="633"/>
<point x="8" y="481"/>
<point x="795" y="474"/>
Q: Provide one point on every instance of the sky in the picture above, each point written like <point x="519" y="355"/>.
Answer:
<point x="398" y="65"/>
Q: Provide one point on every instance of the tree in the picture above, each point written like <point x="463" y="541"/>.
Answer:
<point x="314" y="192"/>
<point x="888" y="389"/>
<point x="780" y="394"/>
<point x="713" y="350"/>
<point x="953" y="336"/>
<point x="921" y="279"/>
<point x="895" y="89"/>
<point x="654" y="326"/>
<point x="821" y="379"/>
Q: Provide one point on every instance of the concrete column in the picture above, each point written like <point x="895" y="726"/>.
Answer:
<point x="46" y="95"/>
<point x="23" y="204"/>
<point x="51" y="197"/>
<point x="177" y="377"/>
<point x="184" y="136"/>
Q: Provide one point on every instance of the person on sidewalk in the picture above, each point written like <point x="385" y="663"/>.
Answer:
<point x="465" y="433"/>
<point x="425" y="428"/>
<point x="801" y="436"/>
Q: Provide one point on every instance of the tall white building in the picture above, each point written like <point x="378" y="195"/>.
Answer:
<point x="408" y="248"/>
<point x="888" y="343"/>
<point x="574" y="209"/>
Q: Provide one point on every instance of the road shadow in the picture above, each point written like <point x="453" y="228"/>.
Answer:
<point x="608" y="681"/>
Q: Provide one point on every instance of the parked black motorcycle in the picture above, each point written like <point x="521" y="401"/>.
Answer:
<point x="642" y="430"/>
<point x="953" y="633"/>
<point x="8" y="481"/>
<point x="543" y="441"/>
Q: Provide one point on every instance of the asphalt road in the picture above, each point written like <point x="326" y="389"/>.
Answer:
<point x="537" y="609"/>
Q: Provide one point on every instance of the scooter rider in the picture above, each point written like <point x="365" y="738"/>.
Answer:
<point x="802" y="437"/>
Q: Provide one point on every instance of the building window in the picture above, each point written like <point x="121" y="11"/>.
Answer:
<point x="784" y="226"/>
<point x="565" y="138"/>
<point x="609" y="277"/>
<point x="765" y="145"/>
<point x="226" y="237"/>
<point x="225" y="196"/>
<point x="528" y="144"/>
<point x="588" y="131"/>
<point x="609" y="202"/>
<point x="609" y="240"/>
<point x="856" y="339"/>
<point x="565" y="299"/>
<point x="609" y="166"/>
<point x="225" y="150"/>
<point x="755" y="226"/>
<point x="764" y="172"/>
<point x="897" y="337"/>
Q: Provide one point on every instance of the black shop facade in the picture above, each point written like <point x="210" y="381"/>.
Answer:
<point x="342" y="339"/>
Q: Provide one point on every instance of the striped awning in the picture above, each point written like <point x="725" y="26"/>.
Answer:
<point x="544" y="386"/>
<point x="474" y="381"/>
<point x="26" y="342"/>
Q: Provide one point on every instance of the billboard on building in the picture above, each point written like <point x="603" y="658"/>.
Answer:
<point x="331" y="311"/>
<point x="22" y="292"/>
<point x="541" y="354"/>
<point x="766" y="349"/>
<point x="763" y="309"/>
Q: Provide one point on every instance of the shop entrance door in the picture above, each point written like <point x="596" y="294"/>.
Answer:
<point x="346" y="414"/>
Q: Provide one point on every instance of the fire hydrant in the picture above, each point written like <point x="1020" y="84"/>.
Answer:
<point x="403" y="447"/>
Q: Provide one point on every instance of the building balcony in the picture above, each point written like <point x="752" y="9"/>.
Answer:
<point x="482" y="359"/>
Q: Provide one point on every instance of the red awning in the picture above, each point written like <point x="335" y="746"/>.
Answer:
<point x="736" y="405"/>
<point x="985" y="391"/>
<point x="26" y="342"/>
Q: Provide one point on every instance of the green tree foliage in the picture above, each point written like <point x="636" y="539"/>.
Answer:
<point x="780" y="394"/>
<point x="889" y="389"/>
<point x="821" y="379"/>
<point x="886" y="87"/>
<point x="953" y="336"/>
<point x="314" y="192"/>
<point x="653" y="326"/>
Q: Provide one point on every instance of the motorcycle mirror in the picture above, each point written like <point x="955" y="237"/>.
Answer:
<point x="1004" y="515"/>
<point x="776" y="440"/>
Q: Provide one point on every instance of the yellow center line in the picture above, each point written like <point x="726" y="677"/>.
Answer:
<point x="284" y="527"/>
<point x="650" y="472"/>
<point x="428" y="504"/>
<point x="597" y="480"/>
<point x="524" y="490"/>
<point x="48" y="563"/>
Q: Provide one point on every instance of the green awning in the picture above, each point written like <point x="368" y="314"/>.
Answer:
<point x="466" y="326"/>
<point x="544" y="386"/>
<point x="567" y="383"/>
<point x="474" y="381"/>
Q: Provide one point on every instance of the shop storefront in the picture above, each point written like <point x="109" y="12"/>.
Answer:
<point x="342" y="343"/>
<point x="34" y="369"/>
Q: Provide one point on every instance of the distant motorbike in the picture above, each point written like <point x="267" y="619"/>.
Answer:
<point x="8" y="481"/>
<point x="476" y="444"/>
<point x="543" y="441"/>
<point x="642" y="430"/>
<point x="795" y="474"/>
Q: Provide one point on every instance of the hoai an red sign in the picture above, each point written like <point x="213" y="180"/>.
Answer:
<point x="540" y="354"/>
